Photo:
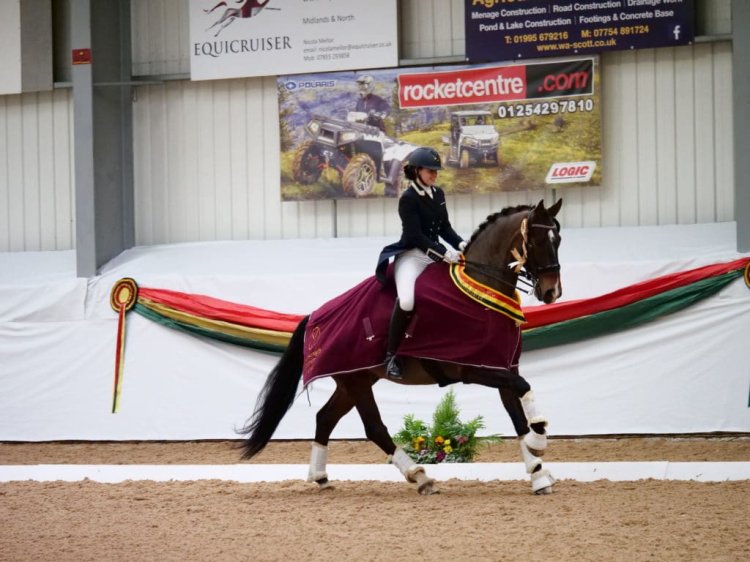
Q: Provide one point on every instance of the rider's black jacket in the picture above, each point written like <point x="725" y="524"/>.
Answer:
<point x="423" y="220"/>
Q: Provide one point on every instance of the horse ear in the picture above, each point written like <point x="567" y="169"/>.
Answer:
<point x="540" y="205"/>
<point x="554" y="209"/>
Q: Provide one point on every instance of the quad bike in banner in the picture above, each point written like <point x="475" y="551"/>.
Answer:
<point x="362" y="155"/>
<point x="473" y="139"/>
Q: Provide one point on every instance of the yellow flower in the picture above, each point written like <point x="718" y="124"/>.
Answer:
<point x="448" y="449"/>
<point x="439" y="440"/>
<point x="447" y="441"/>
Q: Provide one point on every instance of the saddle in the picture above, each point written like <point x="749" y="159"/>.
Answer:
<point x="452" y="322"/>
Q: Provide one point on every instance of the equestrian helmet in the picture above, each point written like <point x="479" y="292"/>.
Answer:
<point x="422" y="157"/>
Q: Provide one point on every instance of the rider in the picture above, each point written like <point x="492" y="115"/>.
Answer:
<point x="424" y="217"/>
<point x="372" y="104"/>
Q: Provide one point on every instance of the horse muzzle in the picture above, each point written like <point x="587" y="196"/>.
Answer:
<point x="548" y="287"/>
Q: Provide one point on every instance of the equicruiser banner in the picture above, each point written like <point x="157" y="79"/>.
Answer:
<point x="499" y="127"/>
<point x="499" y="30"/>
<point x="240" y="38"/>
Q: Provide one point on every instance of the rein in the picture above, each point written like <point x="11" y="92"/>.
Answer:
<point x="526" y="277"/>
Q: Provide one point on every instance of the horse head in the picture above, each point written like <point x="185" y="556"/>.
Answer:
<point x="517" y="241"/>
<point x="542" y="243"/>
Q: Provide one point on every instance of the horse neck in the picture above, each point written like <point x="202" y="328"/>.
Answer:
<point x="493" y="247"/>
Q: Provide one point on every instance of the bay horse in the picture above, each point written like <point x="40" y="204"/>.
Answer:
<point x="517" y="243"/>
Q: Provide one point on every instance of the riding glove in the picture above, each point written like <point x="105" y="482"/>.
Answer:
<point x="452" y="256"/>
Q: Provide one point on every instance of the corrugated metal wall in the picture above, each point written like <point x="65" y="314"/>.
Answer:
<point x="206" y="154"/>
<point x="36" y="172"/>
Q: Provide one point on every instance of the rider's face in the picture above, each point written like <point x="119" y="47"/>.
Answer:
<point x="427" y="176"/>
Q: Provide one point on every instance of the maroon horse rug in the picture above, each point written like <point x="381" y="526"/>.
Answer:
<point x="456" y="319"/>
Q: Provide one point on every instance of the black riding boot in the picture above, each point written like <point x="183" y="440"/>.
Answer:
<point x="399" y="322"/>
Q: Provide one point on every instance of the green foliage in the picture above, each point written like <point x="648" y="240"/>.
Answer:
<point x="447" y="440"/>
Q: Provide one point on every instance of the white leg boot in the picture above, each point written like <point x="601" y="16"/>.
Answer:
<point x="536" y="442"/>
<point x="413" y="472"/>
<point x="531" y="461"/>
<point x="317" y="471"/>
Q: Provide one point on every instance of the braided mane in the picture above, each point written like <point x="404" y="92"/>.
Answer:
<point x="507" y="211"/>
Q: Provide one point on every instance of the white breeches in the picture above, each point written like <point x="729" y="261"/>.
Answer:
<point x="407" y="268"/>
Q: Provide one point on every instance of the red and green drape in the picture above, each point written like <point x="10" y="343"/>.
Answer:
<point x="546" y="325"/>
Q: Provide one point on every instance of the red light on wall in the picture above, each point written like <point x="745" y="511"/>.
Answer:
<point x="81" y="56"/>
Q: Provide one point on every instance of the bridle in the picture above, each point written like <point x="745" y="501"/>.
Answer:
<point x="528" y="278"/>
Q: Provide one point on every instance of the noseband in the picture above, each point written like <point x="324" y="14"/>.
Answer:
<point x="528" y="278"/>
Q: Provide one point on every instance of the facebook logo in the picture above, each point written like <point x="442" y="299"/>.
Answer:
<point x="676" y="31"/>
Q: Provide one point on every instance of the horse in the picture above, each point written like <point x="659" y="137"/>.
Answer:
<point x="248" y="9"/>
<point x="516" y="244"/>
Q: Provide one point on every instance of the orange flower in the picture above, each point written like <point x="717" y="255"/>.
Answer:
<point x="439" y="440"/>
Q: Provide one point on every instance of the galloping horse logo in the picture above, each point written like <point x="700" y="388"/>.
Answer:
<point x="247" y="9"/>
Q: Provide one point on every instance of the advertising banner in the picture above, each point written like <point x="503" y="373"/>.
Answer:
<point x="499" y="30"/>
<point x="241" y="38"/>
<point x="500" y="127"/>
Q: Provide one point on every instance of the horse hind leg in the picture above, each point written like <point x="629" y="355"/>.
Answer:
<point x="338" y="405"/>
<point x="360" y="389"/>
<point x="414" y="473"/>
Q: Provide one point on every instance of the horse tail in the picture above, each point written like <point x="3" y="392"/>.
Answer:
<point x="276" y="396"/>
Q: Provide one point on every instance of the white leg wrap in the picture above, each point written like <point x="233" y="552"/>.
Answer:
<point x="406" y="465"/>
<point x="542" y="481"/>
<point x="531" y="461"/>
<point x="318" y="459"/>
<point x="537" y="442"/>
<point x="529" y="408"/>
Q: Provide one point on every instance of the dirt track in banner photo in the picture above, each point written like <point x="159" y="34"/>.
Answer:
<point x="367" y="520"/>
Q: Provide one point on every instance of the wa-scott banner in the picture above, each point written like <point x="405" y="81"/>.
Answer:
<point x="500" y="127"/>
<point x="233" y="39"/>
<point x="499" y="30"/>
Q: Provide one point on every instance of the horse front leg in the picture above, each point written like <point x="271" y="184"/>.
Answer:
<point x="532" y="437"/>
<point x="531" y="427"/>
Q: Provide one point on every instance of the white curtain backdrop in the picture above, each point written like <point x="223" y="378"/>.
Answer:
<point x="685" y="373"/>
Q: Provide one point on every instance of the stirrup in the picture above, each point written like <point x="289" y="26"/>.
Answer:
<point x="392" y="367"/>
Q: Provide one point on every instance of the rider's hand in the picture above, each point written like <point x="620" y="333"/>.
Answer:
<point x="452" y="256"/>
<point x="462" y="246"/>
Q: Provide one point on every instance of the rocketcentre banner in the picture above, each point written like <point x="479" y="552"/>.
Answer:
<point x="509" y="30"/>
<point x="498" y="127"/>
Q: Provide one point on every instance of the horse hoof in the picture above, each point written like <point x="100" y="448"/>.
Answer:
<point x="428" y="488"/>
<point x="542" y="482"/>
<point x="324" y="484"/>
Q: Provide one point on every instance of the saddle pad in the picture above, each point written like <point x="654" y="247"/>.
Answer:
<point x="349" y="333"/>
